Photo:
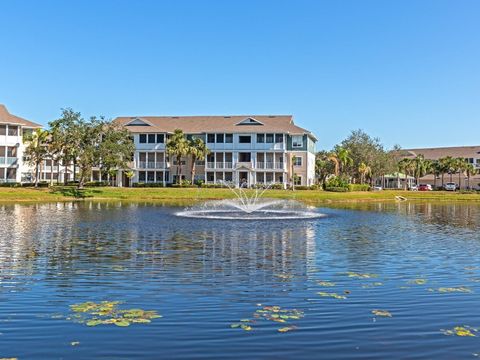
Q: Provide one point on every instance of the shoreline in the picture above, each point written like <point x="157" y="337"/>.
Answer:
<point x="183" y="195"/>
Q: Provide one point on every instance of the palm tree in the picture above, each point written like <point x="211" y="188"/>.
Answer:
<point x="436" y="169"/>
<point x="198" y="151"/>
<point x="333" y="157"/>
<point x="343" y="156"/>
<point x="461" y="166"/>
<point x="444" y="165"/>
<point x="178" y="147"/>
<point x="36" y="150"/>
<point x="421" y="167"/>
<point x="471" y="171"/>
<point x="405" y="165"/>
<point x="363" y="170"/>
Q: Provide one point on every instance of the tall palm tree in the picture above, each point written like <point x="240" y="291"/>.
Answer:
<point x="363" y="170"/>
<point x="343" y="156"/>
<point x="421" y="167"/>
<point x="178" y="147"/>
<point x="36" y="150"/>
<point x="405" y="165"/>
<point x="444" y="164"/>
<point x="436" y="169"/>
<point x="461" y="166"/>
<point x="333" y="157"/>
<point x="471" y="171"/>
<point x="198" y="151"/>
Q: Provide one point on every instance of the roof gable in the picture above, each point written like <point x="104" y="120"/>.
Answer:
<point x="138" y="122"/>
<point x="249" y="121"/>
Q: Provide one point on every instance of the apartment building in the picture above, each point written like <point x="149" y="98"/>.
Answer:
<point x="12" y="128"/>
<point x="470" y="153"/>
<point x="245" y="150"/>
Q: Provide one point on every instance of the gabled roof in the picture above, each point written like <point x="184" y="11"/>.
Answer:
<point x="7" y="118"/>
<point x="436" y="153"/>
<point x="215" y="124"/>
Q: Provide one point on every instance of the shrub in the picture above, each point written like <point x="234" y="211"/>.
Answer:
<point x="337" y="182"/>
<point x="337" y="189"/>
<point x="214" y="186"/>
<point x="31" y="184"/>
<point x="96" y="183"/>
<point x="147" y="185"/>
<point x="358" y="187"/>
<point x="10" y="185"/>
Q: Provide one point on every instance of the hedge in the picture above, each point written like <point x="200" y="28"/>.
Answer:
<point x="358" y="187"/>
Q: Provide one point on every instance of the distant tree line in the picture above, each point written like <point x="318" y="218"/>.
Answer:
<point x="361" y="159"/>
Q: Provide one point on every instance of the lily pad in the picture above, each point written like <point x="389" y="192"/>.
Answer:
<point x="361" y="276"/>
<point x="326" y="283"/>
<point x="332" y="295"/>
<point x="461" y="289"/>
<point x="383" y="313"/>
<point x="287" y="329"/>
<point x="460" y="331"/>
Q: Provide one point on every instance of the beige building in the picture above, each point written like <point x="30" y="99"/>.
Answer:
<point x="469" y="153"/>
<point x="245" y="150"/>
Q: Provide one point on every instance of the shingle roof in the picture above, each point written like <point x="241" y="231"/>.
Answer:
<point x="7" y="118"/>
<point x="213" y="124"/>
<point x="436" y="153"/>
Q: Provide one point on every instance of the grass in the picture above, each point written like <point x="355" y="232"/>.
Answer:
<point x="187" y="195"/>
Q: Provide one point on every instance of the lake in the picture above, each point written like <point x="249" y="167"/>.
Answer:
<point x="369" y="281"/>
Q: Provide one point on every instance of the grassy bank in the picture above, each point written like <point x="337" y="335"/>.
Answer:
<point x="194" y="194"/>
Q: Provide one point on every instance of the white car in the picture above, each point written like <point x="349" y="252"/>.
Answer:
<point x="450" y="186"/>
<point x="413" y="188"/>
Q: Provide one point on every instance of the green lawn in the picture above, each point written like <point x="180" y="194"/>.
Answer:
<point x="187" y="195"/>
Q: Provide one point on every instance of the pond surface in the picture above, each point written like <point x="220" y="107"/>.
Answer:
<point x="416" y="265"/>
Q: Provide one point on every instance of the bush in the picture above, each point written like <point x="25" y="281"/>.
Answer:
<point x="10" y="185"/>
<point x="147" y="185"/>
<point x="337" y="189"/>
<point x="97" y="183"/>
<point x="42" y="184"/>
<point x="337" y="182"/>
<point x="359" y="187"/>
<point x="214" y="186"/>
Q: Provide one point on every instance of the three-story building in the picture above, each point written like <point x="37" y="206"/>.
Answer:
<point x="12" y="128"/>
<point x="245" y="150"/>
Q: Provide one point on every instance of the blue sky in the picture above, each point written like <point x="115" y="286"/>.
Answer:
<point x="405" y="71"/>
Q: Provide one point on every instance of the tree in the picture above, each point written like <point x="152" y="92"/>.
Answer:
<point x="344" y="159"/>
<point x="198" y="151"/>
<point x="471" y="171"/>
<point x="445" y="167"/>
<point x="421" y="167"/>
<point x="364" y="170"/>
<point x="116" y="149"/>
<point x="36" y="150"/>
<point x="65" y="139"/>
<point x="323" y="166"/>
<point x="436" y="169"/>
<point x="461" y="166"/>
<point x="406" y="166"/>
<point x="333" y="158"/>
<point x="178" y="147"/>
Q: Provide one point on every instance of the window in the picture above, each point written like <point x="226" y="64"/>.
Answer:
<point x="210" y="138"/>
<point x="143" y="138"/>
<point x="297" y="141"/>
<point x="11" y="173"/>
<point x="11" y="151"/>
<point x="141" y="176"/>
<point x="297" y="161"/>
<point x="260" y="138"/>
<point x="160" y="138"/>
<point x="12" y="130"/>
<point x="151" y="138"/>
<point x="269" y="139"/>
<point x="297" y="180"/>
<point x="220" y="138"/>
<point x="228" y="138"/>
<point x="2" y="173"/>
<point x="210" y="176"/>
<point x="151" y="176"/>
<point x="278" y="138"/>
<point x="244" y="139"/>
<point x="244" y="157"/>
<point x="3" y="129"/>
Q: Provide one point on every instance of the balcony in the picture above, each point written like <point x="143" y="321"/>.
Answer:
<point x="270" y="166"/>
<point x="219" y="165"/>
<point x="151" y="165"/>
<point x="11" y="160"/>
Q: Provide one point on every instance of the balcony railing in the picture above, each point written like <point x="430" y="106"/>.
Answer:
<point x="2" y="160"/>
<point x="151" y="165"/>
<point x="11" y="160"/>
<point x="270" y="165"/>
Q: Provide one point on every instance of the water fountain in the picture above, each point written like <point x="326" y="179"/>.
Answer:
<point x="250" y="205"/>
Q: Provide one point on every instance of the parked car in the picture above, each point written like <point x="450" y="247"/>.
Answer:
<point x="377" y="188"/>
<point x="413" y="188"/>
<point x="425" y="187"/>
<point x="450" y="186"/>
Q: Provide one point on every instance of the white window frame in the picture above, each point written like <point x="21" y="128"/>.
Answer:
<point x="295" y="141"/>
<point x="295" y="159"/>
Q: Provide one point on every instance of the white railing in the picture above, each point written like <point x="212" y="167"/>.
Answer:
<point x="279" y="165"/>
<point x="2" y="160"/>
<point x="151" y="165"/>
<point x="11" y="160"/>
